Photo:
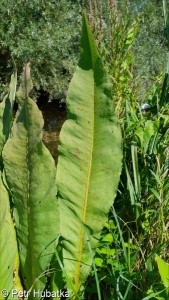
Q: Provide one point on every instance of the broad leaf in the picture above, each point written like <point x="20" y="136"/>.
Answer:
<point x="163" y="268"/>
<point x="30" y="172"/>
<point x="6" y="108"/>
<point x="8" y="244"/>
<point x="89" y="163"/>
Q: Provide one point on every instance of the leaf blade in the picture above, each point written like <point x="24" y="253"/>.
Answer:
<point x="31" y="174"/>
<point x="6" y="107"/>
<point x="8" y="245"/>
<point x="88" y="160"/>
<point x="163" y="268"/>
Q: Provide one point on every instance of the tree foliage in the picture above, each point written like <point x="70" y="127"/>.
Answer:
<point x="150" y="46"/>
<point x="45" y="33"/>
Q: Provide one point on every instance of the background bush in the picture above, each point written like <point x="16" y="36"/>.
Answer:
<point x="47" y="33"/>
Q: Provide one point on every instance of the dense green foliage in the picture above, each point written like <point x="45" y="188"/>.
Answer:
<point x="138" y="223"/>
<point x="132" y="39"/>
<point x="132" y="256"/>
<point x="46" y="33"/>
<point x="150" y="45"/>
<point x="56" y="212"/>
<point x="125" y="256"/>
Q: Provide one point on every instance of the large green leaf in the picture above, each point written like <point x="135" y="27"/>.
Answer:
<point x="89" y="163"/>
<point x="30" y="172"/>
<point x="163" y="268"/>
<point x="6" y="108"/>
<point x="8" y="244"/>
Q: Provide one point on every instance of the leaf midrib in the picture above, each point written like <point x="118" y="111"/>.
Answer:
<point x="80" y="247"/>
<point x="28" y="177"/>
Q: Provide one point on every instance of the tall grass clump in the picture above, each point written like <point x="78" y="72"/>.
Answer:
<point x="115" y="34"/>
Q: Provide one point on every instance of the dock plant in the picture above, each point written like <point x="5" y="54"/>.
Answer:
<point x="56" y="216"/>
<point x="96" y="225"/>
